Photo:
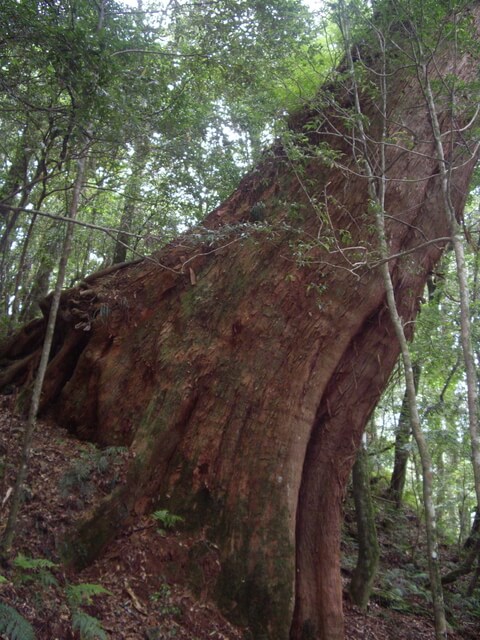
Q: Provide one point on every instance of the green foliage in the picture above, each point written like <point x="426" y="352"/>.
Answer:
<point x="404" y="589"/>
<point x="79" y="595"/>
<point x="178" y="104"/>
<point x="32" y="564"/>
<point x="83" y="593"/>
<point x="163" y="598"/>
<point x="177" y="109"/>
<point x="166" y="519"/>
<point x="442" y="402"/>
<point x="13" y="625"/>
<point x="461" y="602"/>
<point x="36" y="570"/>
<point x="88" y="627"/>
<point x="78" y="479"/>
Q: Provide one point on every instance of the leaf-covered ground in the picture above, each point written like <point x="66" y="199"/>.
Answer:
<point x="144" y="570"/>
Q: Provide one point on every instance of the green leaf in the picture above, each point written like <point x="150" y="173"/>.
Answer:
<point x="87" y="626"/>
<point x="32" y="564"/>
<point x="167" y="519"/>
<point x="83" y="593"/>
<point x="13" y="625"/>
<point x="35" y="570"/>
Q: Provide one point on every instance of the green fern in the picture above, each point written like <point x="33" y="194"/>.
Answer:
<point x="13" y="625"/>
<point x="167" y="519"/>
<point x="78" y="478"/>
<point x="81" y="594"/>
<point x="34" y="564"/>
<point x="87" y="626"/>
<point x="35" y="570"/>
<point x="109" y="457"/>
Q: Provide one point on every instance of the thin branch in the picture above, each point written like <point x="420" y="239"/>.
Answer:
<point x="166" y="54"/>
<point x="394" y="256"/>
<point x="87" y="225"/>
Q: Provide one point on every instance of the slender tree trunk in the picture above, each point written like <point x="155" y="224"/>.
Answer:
<point x="368" y="548"/>
<point x="12" y="186"/>
<point x="10" y="530"/>
<point x="38" y="385"/>
<point x="38" y="285"/>
<point x="374" y="166"/>
<point x="466" y="567"/>
<point x="445" y="169"/>
<point x="471" y="550"/>
<point x="16" y="184"/>
<point x="472" y="585"/>
<point x="21" y="281"/>
<point x="425" y="458"/>
<point x="133" y="192"/>
<point x="20" y="277"/>
<point x="474" y="536"/>
<point x="402" y="441"/>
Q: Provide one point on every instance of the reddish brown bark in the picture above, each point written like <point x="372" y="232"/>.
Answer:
<point x="242" y="378"/>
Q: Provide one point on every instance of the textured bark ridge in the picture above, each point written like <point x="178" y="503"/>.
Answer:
<point x="242" y="362"/>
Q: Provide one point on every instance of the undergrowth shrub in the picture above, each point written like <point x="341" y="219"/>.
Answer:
<point x="78" y="595"/>
<point x="32" y="572"/>
<point x="13" y="625"/>
<point x="88" y="627"/>
<point x="78" y="479"/>
<point x="166" y="519"/>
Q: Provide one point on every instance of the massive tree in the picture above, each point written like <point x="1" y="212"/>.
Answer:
<point x="242" y="361"/>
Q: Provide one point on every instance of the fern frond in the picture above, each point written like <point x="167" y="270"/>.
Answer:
<point x="103" y="463"/>
<point x="82" y="471"/>
<point x="13" y="625"/>
<point x="47" y="579"/>
<point x="169" y="520"/>
<point x="33" y="564"/>
<point x="87" y="626"/>
<point x="35" y="570"/>
<point x="80" y="594"/>
<point x="115" y="451"/>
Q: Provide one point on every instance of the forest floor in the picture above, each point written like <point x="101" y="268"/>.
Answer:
<point x="144" y="570"/>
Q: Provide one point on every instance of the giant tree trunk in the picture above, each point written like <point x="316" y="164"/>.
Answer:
<point x="242" y="363"/>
